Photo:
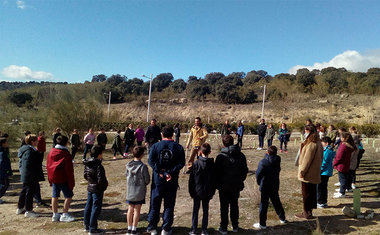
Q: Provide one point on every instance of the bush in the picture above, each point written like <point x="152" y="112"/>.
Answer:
<point x="20" y="98"/>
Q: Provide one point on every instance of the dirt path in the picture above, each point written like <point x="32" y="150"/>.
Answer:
<point x="113" y="214"/>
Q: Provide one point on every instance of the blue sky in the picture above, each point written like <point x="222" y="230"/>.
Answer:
<point x="73" y="40"/>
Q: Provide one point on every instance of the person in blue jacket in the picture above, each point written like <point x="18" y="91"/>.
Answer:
<point x="239" y="134"/>
<point x="268" y="177"/>
<point x="326" y="172"/>
<point x="5" y="167"/>
<point x="166" y="158"/>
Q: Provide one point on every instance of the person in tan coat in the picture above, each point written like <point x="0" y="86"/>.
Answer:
<point x="309" y="171"/>
<point x="198" y="136"/>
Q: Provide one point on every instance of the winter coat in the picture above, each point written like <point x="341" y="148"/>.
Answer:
<point x="55" y="136"/>
<point x="355" y="154"/>
<point x="30" y="164"/>
<point x="60" y="167"/>
<point x="261" y="129"/>
<point x="139" y="134"/>
<point x="284" y="135"/>
<point x="230" y="169"/>
<point x="129" y="136"/>
<point x="226" y="129"/>
<point x="240" y="131"/>
<point x="89" y="139"/>
<point x="201" y="180"/>
<point x="137" y="180"/>
<point x="310" y="160"/>
<point x="116" y="142"/>
<point x="333" y="135"/>
<point x="327" y="163"/>
<point x="5" y="164"/>
<point x="166" y="157"/>
<point x="153" y="134"/>
<point x="95" y="174"/>
<point x="342" y="159"/>
<point x="102" y="139"/>
<point x="198" y="136"/>
<point x="41" y="144"/>
<point x="75" y="140"/>
<point x="269" y="134"/>
<point x="268" y="174"/>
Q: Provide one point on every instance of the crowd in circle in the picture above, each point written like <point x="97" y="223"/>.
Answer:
<point x="321" y="151"/>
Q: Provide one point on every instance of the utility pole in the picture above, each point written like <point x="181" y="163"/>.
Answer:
<point x="109" y="105"/>
<point x="262" y="109"/>
<point x="150" y="92"/>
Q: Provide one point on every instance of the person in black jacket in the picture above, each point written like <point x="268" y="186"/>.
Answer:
<point x="230" y="172"/>
<point x="177" y="132"/>
<point x="5" y="167"/>
<point x="31" y="173"/>
<point x="261" y="130"/>
<point x="268" y="177"/>
<point x="102" y="138"/>
<point x="153" y="134"/>
<point x="202" y="186"/>
<point x="95" y="174"/>
<point x="55" y="136"/>
<point x="75" y="143"/>
<point x="129" y="139"/>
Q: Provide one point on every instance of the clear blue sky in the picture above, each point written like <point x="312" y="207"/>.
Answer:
<point x="74" y="40"/>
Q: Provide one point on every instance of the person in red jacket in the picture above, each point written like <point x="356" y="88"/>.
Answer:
<point x="61" y="176"/>
<point x="41" y="148"/>
<point x="342" y="163"/>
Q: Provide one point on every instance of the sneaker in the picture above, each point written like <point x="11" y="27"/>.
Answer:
<point x="259" y="226"/>
<point x="221" y="231"/>
<point x="319" y="206"/>
<point x="353" y="186"/>
<point x="204" y="233"/>
<point x="192" y="233"/>
<point x="235" y="230"/>
<point x="284" y="221"/>
<point x="86" y="230"/>
<point x="134" y="232"/>
<point x="65" y="217"/>
<point x="152" y="232"/>
<point x="337" y="184"/>
<point x="73" y="161"/>
<point x="20" y="211"/>
<point x="129" y="232"/>
<point x="339" y="195"/>
<point x="1" y="201"/>
<point x="286" y="151"/>
<point x="96" y="232"/>
<point x="304" y="215"/>
<point x="163" y="232"/>
<point x="114" y="158"/>
<point x="337" y="189"/>
<point x="56" y="217"/>
<point x="349" y="190"/>
<point x="281" y="151"/>
<point x="259" y="148"/>
<point x="31" y="214"/>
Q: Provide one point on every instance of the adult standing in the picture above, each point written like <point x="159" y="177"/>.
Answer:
<point x="332" y="133"/>
<point x="309" y="171"/>
<point x="261" y="130"/>
<point x="75" y="143"/>
<point x="41" y="148"/>
<point x="55" y="136"/>
<point x="102" y="138"/>
<point x="230" y="173"/>
<point x="129" y="138"/>
<point x="226" y="128"/>
<point x="198" y="135"/>
<point x="177" y="132"/>
<point x="153" y="134"/>
<point x="5" y="167"/>
<point x="89" y="141"/>
<point x="166" y="158"/>
<point x="31" y="173"/>
<point x="240" y="133"/>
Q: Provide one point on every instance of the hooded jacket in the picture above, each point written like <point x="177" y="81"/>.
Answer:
<point x="230" y="169"/>
<point x="355" y="153"/>
<point x="75" y="140"/>
<point x="268" y="173"/>
<point x="60" y="167"/>
<point x="202" y="180"/>
<point x="153" y="134"/>
<point x="30" y="164"/>
<point x="95" y="174"/>
<point x="102" y="139"/>
<point x="261" y="129"/>
<point x="327" y="163"/>
<point x="269" y="134"/>
<point x="116" y="142"/>
<point x="139" y="134"/>
<point x="5" y="164"/>
<point x="41" y="144"/>
<point x="137" y="179"/>
<point x="129" y="136"/>
<point x="310" y="160"/>
<point x="343" y="157"/>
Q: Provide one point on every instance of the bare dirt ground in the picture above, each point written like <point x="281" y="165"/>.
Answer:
<point x="113" y="218"/>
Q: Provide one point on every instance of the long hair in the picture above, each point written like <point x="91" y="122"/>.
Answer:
<point x="348" y="138"/>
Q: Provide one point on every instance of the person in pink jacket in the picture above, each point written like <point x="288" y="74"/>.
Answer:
<point x="89" y="141"/>
<point x="139" y="134"/>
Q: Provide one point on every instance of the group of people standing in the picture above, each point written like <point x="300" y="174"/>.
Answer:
<point x="316" y="159"/>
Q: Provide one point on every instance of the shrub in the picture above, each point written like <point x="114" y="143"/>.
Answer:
<point x="20" y="98"/>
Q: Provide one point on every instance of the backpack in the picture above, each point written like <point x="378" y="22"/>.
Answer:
<point x="165" y="157"/>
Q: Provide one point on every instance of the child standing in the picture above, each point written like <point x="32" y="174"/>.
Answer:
<point x="116" y="146"/>
<point x="137" y="180"/>
<point x="75" y="143"/>
<point x="283" y="137"/>
<point x="139" y="134"/>
<point x="201" y="186"/>
<point x="89" y="141"/>
<point x="239" y="134"/>
<point x="95" y="174"/>
<point x="5" y="167"/>
<point x="270" y="134"/>
<point x="268" y="177"/>
<point x="326" y="172"/>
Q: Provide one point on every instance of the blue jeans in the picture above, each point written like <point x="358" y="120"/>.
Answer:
<point x="270" y="142"/>
<point x="229" y="200"/>
<point x="261" y="141"/>
<point x="37" y="194"/>
<point x="345" y="182"/>
<point x="92" y="210"/>
<point x="87" y="149"/>
<point x="205" y="207"/>
<point x="127" y="146"/>
<point x="4" y="184"/>
<point x="167" y="192"/>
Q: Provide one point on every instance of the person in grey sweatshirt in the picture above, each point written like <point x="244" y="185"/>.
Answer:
<point x="137" y="180"/>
